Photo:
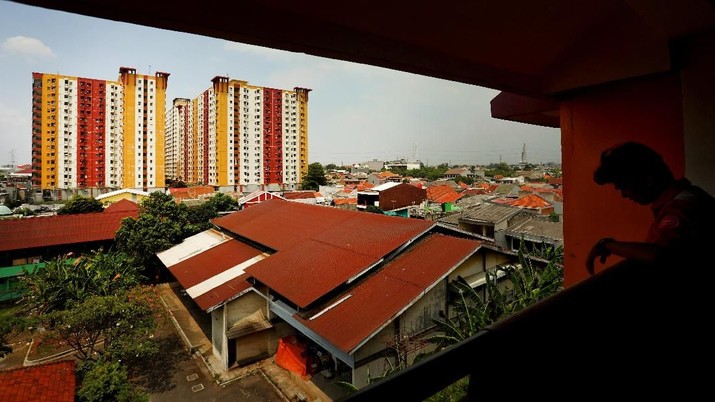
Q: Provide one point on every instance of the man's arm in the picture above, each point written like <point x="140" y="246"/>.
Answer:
<point x="640" y="251"/>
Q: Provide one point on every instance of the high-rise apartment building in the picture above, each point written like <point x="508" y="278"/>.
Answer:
<point x="239" y="135"/>
<point x="89" y="133"/>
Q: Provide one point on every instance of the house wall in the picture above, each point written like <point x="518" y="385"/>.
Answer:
<point x="219" y="342"/>
<point x="400" y="196"/>
<point x="376" y="344"/>
<point x="648" y="110"/>
<point x="244" y="306"/>
<point x="419" y="316"/>
<point x="375" y="368"/>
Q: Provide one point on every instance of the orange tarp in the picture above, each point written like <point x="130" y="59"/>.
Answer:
<point x="292" y="356"/>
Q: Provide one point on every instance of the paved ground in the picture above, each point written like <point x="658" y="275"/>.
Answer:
<point x="188" y="320"/>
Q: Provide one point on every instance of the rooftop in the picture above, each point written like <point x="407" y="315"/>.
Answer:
<point x="46" y="382"/>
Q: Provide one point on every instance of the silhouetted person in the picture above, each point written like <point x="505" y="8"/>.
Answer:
<point x="683" y="213"/>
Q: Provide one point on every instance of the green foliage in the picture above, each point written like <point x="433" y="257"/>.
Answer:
<point x="502" y="169"/>
<point x="24" y="211"/>
<point x="123" y="322"/>
<point x="80" y="205"/>
<point x="331" y="166"/>
<point x="373" y="209"/>
<point x="465" y="180"/>
<point x="107" y="381"/>
<point x="223" y="202"/>
<point x="426" y="172"/>
<point x="64" y="281"/>
<point x="314" y="178"/>
<point x="10" y="326"/>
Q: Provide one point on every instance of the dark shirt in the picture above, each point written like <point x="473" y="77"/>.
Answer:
<point x="684" y="216"/>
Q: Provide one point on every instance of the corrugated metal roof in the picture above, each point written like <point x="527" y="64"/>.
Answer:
<point x="212" y="272"/>
<point x="385" y="186"/>
<point x="45" y="231"/>
<point x="531" y="201"/>
<point x="380" y="298"/>
<point x="489" y="213"/>
<point x="123" y="205"/>
<point x="318" y="247"/>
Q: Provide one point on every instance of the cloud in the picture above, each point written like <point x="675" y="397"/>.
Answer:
<point x="30" y="49"/>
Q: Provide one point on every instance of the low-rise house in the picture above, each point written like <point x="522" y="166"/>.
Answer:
<point x="485" y="219"/>
<point x="26" y="243"/>
<point x="305" y="197"/>
<point x="351" y="284"/>
<point x="535" y="232"/>
<point x="531" y="202"/>
<point x="444" y="196"/>
<point x="456" y="172"/>
<point x="392" y="198"/>
<point x="256" y="197"/>
<point x="134" y="195"/>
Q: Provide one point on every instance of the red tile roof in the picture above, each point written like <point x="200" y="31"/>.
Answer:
<point x="442" y="194"/>
<point x="324" y="247"/>
<point x="345" y="201"/>
<point x="531" y="201"/>
<point x="181" y="193"/>
<point x="46" y="382"/>
<point x="45" y="231"/>
<point x="381" y="298"/>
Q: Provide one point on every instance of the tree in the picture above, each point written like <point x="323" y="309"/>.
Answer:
<point x="108" y="381"/>
<point x="80" y="205"/>
<point x="315" y="177"/>
<point x="331" y="166"/>
<point x="465" y="180"/>
<point x="223" y="202"/>
<point x="64" y="281"/>
<point x="373" y="209"/>
<point x="499" y="169"/>
<point x="123" y="322"/>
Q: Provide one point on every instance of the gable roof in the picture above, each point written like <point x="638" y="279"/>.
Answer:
<point x="122" y="206"/>
<point x="531" y="201"/>
<point x="300" y="195"/>
<point x="45" y="231"/>
<point x="361" y="312"/>
<point x="459" y="171"/>
<point x="312" y="239"/>
<point x="442" y="194"/>
<point x="45" y="382"/>
<point x="122" y="191"/>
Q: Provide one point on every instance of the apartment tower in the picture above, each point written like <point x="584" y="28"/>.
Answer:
<point x="89" y="133"/>
<point x="239" y="136"/>
<point x="76" y="132"/>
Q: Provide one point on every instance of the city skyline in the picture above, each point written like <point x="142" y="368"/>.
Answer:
<point x="358" y="112"/>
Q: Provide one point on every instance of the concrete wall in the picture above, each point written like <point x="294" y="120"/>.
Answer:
<point x="244" y="306"/>
<point x="218" y="336"/>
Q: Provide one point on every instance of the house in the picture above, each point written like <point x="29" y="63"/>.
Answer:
<point x="392" y="198"/>
<point x="535" y="232"/>
<point x="256" y="197"/>
<point x="531" y="202"/>
<point x="45" y="382"/>
<point x="306" y="197"/>
<point x="134" y="195"/>
<point x="183" y="194"/>
<point x="349" y="283"/>
<point x="26" y="243"/>
<point x="376" y="179"/>
<point x="488" y="220"/>
<point x="444" y="196"/>
<point x="456" y="172"/>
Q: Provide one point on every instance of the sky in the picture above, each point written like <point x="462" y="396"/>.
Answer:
<point x="357" y="112"/>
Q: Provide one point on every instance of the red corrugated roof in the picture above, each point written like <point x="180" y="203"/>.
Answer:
<point x="45" y="231"/>
<point x="298" y="195"/>
<point x="322" y="246"/>
<point x="223" y="292"/>
<point x="46" y="382"/>
<point x="212" y="262"/>
<point x="345" y="201"/>
<point x="381" y="297"/>
<point x="123" y="205"/>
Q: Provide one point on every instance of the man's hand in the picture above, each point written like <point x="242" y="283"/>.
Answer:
<point x="600" y="249"/>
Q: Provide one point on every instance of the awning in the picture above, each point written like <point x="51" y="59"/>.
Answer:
<point x="248" y="325"/>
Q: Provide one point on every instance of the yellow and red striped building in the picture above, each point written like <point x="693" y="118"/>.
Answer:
<point x="239" y="135"/>
<point x="89" y="133"/>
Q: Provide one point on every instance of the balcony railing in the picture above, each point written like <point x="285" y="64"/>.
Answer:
<point x="628" y="333"/>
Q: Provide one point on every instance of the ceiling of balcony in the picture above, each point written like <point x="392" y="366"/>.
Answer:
<point x="523" y="46"/>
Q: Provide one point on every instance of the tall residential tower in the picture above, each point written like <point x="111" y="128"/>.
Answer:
<point x="240" y="136"/>
<point x="90" y="133"/>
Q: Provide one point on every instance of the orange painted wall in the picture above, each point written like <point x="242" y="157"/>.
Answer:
<point x="645" y="110"/>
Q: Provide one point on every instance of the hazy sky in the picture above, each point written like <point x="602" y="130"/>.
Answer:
<point x="356" y="112"/>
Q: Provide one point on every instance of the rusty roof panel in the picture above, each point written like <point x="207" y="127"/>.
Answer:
<point x="223" y="292"/>
<point x="24" y="233"/>
<point x="381" y="297"/>
<point x="308" y="271"/>
<point x="212" y="262"/>
<point x="279" y="224"/>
